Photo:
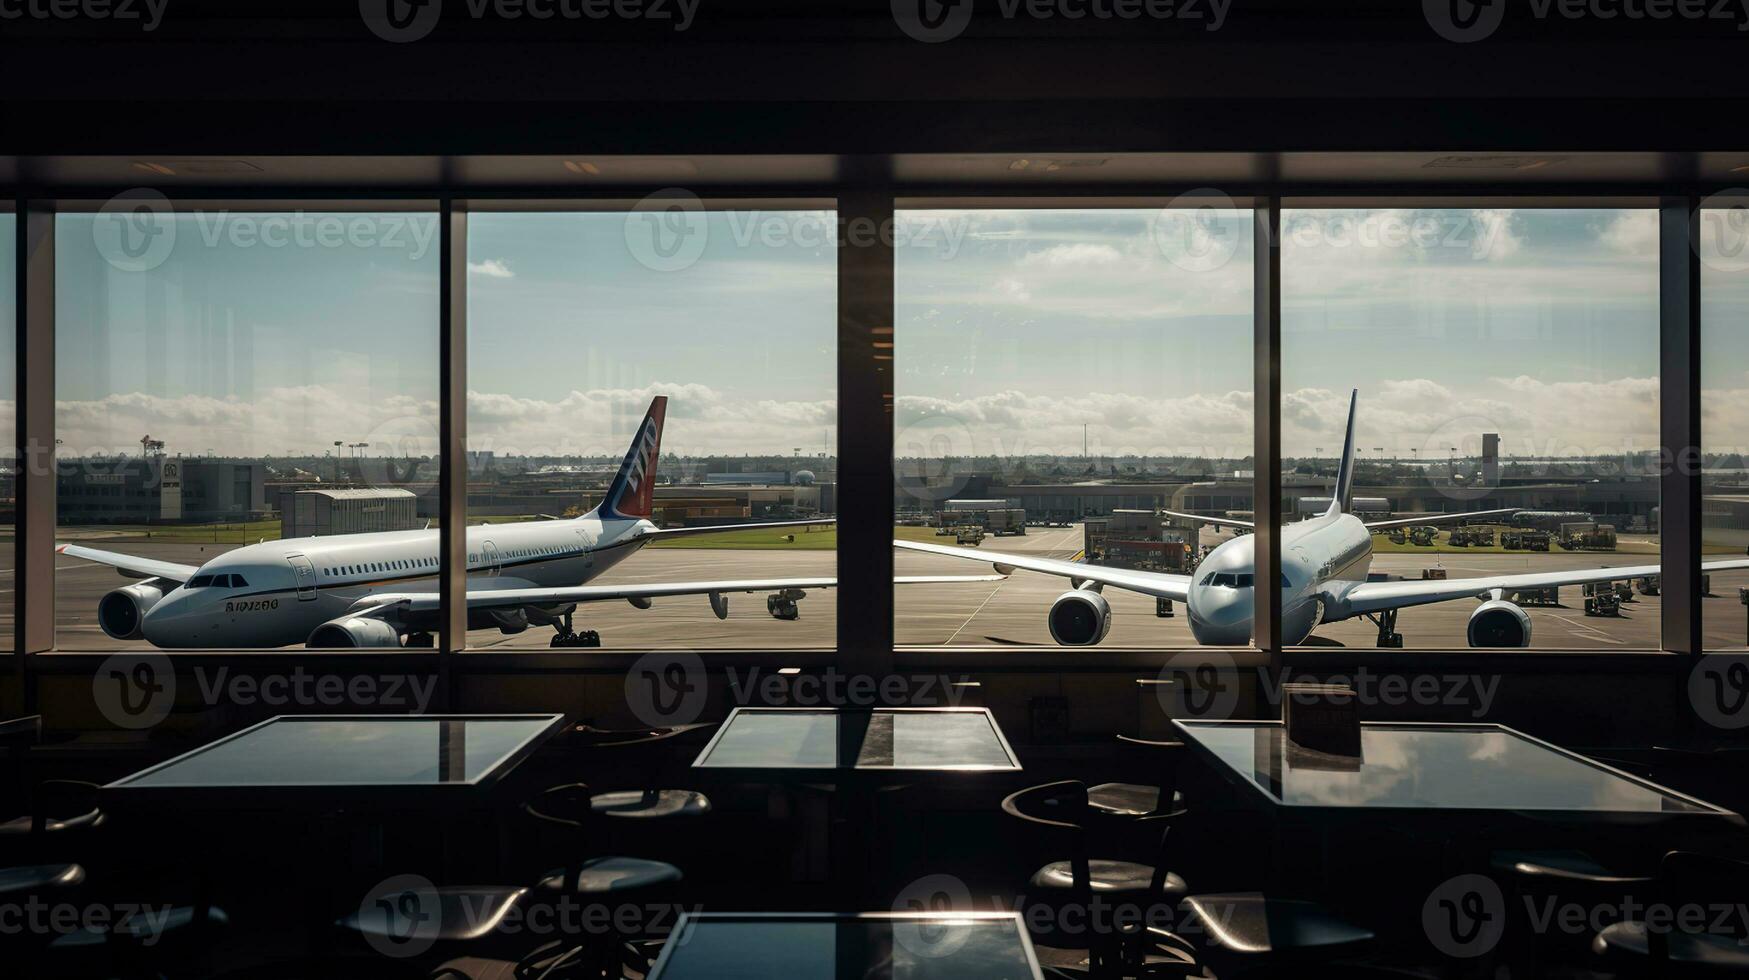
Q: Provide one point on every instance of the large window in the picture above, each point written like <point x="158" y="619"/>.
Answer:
<point x="1724" y="376"/>
<point x="1504" y="360"/>
<point x="245" y="401"/>
<point x="1063" y="379"/>
<point x="722" y="324"/>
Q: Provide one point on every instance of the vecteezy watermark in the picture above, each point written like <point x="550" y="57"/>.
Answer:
<point x="1718" y="689"/>
<point x="668" y="230"/>
<point x="148" y="14"/>
<point x="1199" y="231"/>
<point x="1472" y="233"/>
<point x="138" y="690"/>
<point x="1207" y="685"/>
<point x="401" y="916"/>
<point x="1723" y="241"/>
<point x="932" y="894"/>
<point x="668" y="688"/>
<point x="943" y="904"/>
<point x="1465" y="21"/>
<point x="134" y="690"/>
<point x="143" y="924"/>
<point x="403" y="21"/>
<point x="934" y="21"/>
<point x="1466" y="916"/>
<point x="137" y="230"/>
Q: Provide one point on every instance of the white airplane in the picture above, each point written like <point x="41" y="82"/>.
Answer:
<point x="1324" y="565"/>
<point x="380" y="589"/>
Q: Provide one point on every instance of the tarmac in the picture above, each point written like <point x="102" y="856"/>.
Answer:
<point x="1007" y="613"/>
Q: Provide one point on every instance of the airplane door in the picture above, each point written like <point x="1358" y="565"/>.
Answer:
<point x="489" y="560"/>
<point x="306" y="577"/>
<point x="588" y="544"/>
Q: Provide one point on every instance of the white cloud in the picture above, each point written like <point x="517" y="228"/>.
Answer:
<point x="491" y="268"/>
<point x="1073" y="255"/>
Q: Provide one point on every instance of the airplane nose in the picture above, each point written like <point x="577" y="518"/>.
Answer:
<point x="165" y="624"/>
<point x="1221" y="617"/>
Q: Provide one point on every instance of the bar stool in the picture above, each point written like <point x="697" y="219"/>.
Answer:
<point x="1720" y="948"/>
<point x="1241" y="932"/>
<point x="597" y="889"/>
<point x="1071" y="884"/>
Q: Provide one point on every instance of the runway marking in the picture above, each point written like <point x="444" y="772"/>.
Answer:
<point x="1587" y="632"/>
<point x="974" y="615"/>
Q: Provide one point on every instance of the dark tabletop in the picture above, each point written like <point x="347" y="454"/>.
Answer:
<point x="347" y="752"/>
<point x="1433" y="767"/>
<point x="885" y="739"/>
<point x="924" y="946"/>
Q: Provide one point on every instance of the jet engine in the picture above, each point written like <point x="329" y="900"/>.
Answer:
<point x="354" y="631"/>
<point x="1498" y="623"/>
<point x="1080" y="618"/>
<point x="122" y="612"/>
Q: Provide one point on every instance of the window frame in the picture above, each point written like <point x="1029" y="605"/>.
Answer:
<point x="865" y="193"/>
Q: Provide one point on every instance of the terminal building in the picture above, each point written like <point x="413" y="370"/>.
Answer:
<point x="159" y="489"/>
<point x="320" y="512"/>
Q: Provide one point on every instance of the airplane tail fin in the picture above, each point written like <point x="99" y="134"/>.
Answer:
<point x="631" y="495"/>
<point x="1343" y="498"/>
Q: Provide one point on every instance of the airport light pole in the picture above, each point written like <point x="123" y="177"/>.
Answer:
<point x="337" y="444"/>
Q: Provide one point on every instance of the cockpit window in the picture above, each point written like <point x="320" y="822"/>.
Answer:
<point x="238" y="582"/>
<point x="200" y="581"/>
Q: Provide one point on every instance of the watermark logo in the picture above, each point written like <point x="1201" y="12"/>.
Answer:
<point x="1464" y="21"/>
<point x="667" y="230"/>
<point x="1198" y="231"/>
<point x="1204" y="685"/>
<point x="1724" y="231"/>
<point x="932" y="939"/>
<point x="932" y="21"/>
<point x="400" y="21"/>
<point x="667" y="688"/>
<point x="401" y="916"/>
<point x="134" y="690"/>
<point x="1465" y="916"/>
<point x="1718" y="689"/>
<point x="147" y="13"/>
<point x="135" y="231"/>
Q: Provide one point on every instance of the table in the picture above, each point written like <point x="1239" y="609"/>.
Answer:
<point x="1437" y="767"/>
<point x="319" y="761"/>
<point x="825" y="946"/>
<point x="856" y="751"/>
<point x="782" y="744"/>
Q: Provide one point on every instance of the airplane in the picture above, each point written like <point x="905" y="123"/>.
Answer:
<point x="380" y="589"/>
<point x="1324" y="565"/>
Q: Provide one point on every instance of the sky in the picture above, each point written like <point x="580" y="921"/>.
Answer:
<point x="257" y="335"/>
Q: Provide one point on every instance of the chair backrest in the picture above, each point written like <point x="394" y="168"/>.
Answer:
<point x="1153" y="763"/>
<point x="1707" y="889"/>
<point x="1058" y="810"/>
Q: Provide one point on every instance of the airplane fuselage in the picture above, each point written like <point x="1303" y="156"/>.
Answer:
<point x="1321" y="559"/>
<point x="291" y="586"/>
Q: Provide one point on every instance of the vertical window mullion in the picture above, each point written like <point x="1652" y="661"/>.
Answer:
<point x="865" y="431"/>
<point x="1679" y="519"/>
<point x="1266" y="457"/>
<point x="452" y="441"/>
<point x="34" y="537"/>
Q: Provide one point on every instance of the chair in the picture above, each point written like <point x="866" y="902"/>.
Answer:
<point x="592" y="891"/>
<point x="1718" y="948"/>
<point x="643" y="750"/>
<point x="52" y="807"/>
<point x="1239" y="932"/>
<point x="1154" y="768"/>
<point x="1070" y="886"/>
<point x="21" y="886"/>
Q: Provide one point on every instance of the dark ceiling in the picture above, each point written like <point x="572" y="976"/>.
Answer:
<point x="1322" y="94"/>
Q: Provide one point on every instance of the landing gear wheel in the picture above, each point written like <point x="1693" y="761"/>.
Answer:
<point x="1386" y="621"/>
<point x="587" y="638"/>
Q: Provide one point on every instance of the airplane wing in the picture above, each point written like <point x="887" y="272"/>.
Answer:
<point x="1370" y="597"/>
<point x="1206" y="519"/>
<point x="143" y="567"/>
<point x="418" y="602"/>
<point x="1161" y="585"/>
<point x="1438" y="518"/>
<point x="686" y="532"/>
